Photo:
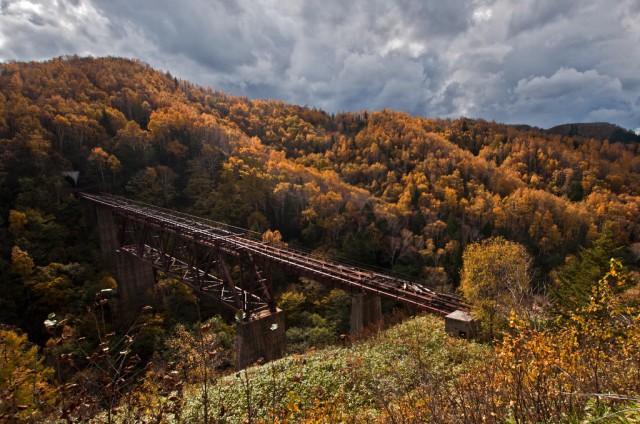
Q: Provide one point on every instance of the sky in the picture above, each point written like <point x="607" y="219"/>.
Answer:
<point x="536" y="62"/>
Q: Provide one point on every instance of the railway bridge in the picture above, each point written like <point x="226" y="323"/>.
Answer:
<point x="233" y="267"/>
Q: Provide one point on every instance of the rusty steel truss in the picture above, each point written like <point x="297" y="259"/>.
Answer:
<point x="232" y="267"/>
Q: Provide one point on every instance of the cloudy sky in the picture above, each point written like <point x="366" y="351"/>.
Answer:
<point x="539" y="62"/>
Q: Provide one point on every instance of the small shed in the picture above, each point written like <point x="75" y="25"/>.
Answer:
<point x="460" y="324"/>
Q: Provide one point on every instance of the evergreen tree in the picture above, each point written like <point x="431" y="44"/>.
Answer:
<point x="573" y="280"/>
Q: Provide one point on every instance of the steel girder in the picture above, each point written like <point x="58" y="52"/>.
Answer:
<point x="229" y="276"/>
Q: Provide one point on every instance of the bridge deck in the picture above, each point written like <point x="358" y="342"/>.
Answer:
<point x="232" y="239"/>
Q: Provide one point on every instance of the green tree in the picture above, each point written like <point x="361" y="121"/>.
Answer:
<point x="39" y="233"/>
<point x="495" y="280"/>
<point x="572" y="282"/>
<point x="153" y="185"/>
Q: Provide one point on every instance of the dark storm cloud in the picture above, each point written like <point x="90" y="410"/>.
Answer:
<point x="540" y="62"/>
<point x="41" y="29"/>
<point x="539" y="14"/>
<point x="220" y="36"/>
<point x="444" y="18"/>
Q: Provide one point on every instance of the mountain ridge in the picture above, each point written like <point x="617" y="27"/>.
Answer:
<point x="598" y="130"/>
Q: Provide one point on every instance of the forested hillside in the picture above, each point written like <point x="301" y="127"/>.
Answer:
<point x="383" y="189"/>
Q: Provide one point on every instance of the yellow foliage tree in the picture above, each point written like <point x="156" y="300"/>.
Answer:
<point x="547" y="373"/>
<point x="24" y="391"/>
<point x="17" y="221"/>
<point x="21" y="262"/>
<point x="495" y="280"/>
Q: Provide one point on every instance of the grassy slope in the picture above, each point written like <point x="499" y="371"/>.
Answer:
<point x="357" y="380"/>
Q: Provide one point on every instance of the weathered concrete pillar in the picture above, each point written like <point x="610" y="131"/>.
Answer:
<point x="89" y="215"/>
<point x="108" y="235"/>
<point x="134" y="276"/>
<point x="263" y="336"/>
<point x="366" y="311"/>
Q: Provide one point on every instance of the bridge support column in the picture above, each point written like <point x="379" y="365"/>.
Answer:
<point x="108" y="235"/>
<point x="134" y="278"/>
<point x="263" y="336"/>
<point x="366" y="311"/>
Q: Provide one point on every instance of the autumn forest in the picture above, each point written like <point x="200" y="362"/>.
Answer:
<point x="538" y="229"/>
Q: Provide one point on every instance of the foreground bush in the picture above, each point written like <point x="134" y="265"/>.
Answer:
<point x="585" y="368"/>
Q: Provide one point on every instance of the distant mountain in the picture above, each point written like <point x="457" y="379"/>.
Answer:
<point x="598" y="130"/>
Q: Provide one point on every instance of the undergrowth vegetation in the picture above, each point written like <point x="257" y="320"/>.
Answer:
<point x="585" y="368"/>
<point x="355" y="381"/>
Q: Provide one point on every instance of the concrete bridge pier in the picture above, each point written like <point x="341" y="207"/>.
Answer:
<point x="262" y="336"/>
<point x="133" y="275"/>
<point x="134" y="278"/>
<point x="109" y="243"/>
<point x="366" y="312"/>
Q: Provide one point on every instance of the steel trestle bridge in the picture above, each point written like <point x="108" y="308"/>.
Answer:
<point x="234" y="267"/>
